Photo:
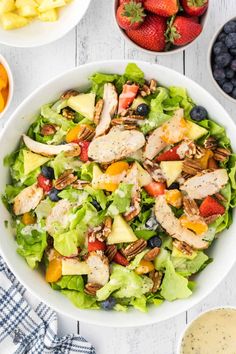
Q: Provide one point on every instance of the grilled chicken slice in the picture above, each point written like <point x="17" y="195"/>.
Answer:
<point x="99" y="268"/>
<point x="132" y="177"/>
<point x="58" y="215"/>
<point x="154" y="144"/>
<point x="47" y="150"/>
<point x="27" y="199"/>
<point x="199" y="187"/>
<point x="110" y="99"/>
<point x="173" y="227"/>
<point x="116" y="145"/>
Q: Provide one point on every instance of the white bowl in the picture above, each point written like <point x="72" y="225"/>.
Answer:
<point x="223" y="250"/>
<point x="209" y="54"/>
<point x="11" y="84"/>
<point x="39" y="33"/>
<point x="175" y="49"/>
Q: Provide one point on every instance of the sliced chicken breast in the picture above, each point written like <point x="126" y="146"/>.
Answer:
<point x="99" y="268"/>
<point x="58" y="215"/>
<point x="173" y="227"/>
<point x="110" y="99"/>
<point x="199" y="187"/>
<point x="132" y="177"/>
<point x="47" y="150"/>
<point x="116" y="145"/>
<point x="154" y="144"/>
<point x="27" y="199"/>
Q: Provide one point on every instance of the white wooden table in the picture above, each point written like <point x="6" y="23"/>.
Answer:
<point x="96" y="38"/>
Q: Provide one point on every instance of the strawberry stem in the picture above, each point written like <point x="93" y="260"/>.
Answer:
<point x="197" y="3"/>
<point x="134" y="11"/>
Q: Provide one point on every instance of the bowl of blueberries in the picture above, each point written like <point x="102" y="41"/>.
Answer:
<point x="222" y="59"/>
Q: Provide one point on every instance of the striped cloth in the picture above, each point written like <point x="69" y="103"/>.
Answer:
<point x="31" y="329"/>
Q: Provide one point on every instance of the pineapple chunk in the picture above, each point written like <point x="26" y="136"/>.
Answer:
<point x="50" y="4"/>
<point x="49" y="16"/>
<point x="23" y="3"/>
<point x="12" y="21"/>
<point x="6" y="6"/>
<point x="27" y="11"/>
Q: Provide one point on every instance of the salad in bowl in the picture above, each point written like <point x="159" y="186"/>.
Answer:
<point x="118" y="192"/>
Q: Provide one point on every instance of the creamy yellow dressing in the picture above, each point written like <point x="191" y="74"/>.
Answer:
<point x="212" y="333"/>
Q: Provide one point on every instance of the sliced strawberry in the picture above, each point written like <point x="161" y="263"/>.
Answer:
<point x="154" y="189"/>
<point x="164" y="8"/>
<point x="210" y="206"/>
<point x="118" y="258"/>
<point x="194" y="7"/>
<point x="130" y="15"/>
<point x="44" y="183"/>
<point x="169" y="155"/>
<point x="127" y="96"/>
<point x="84" y="150"/>
<point x="96" y="246"/>
<point x="184" y="31"/>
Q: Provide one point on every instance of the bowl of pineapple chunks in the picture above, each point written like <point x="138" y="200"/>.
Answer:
<point x="33" y="23"/>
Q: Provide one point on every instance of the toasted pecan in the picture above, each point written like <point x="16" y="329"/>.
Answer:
<point x="156" y="277"/>
<point x="191" y="167"/>
<point x="67" y="94"/>
<point x="190" y="206"/>
<point x="98" y="111"/>
<point x="92" y="288"/>
<point x="151" y="255"/>
<point x="66" y="179"/>
<point x="221" y="154"/>
<point x="134" y="248"/>
<point x="48" y="129"/>
<point x="183" y="247"/>
<point x="110" y="252"/>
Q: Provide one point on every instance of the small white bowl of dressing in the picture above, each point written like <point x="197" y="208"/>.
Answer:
<point x="211" y="332"/>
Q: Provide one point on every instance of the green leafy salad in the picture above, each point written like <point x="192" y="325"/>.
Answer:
<point x="116" y="193"/>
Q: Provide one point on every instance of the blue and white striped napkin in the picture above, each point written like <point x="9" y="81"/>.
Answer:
<point x="31" y="329"/>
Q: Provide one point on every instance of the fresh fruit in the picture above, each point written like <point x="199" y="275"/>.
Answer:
<point x="84" y="103"/>
<point x="219" y="74"/>
<point x="120" y="259"/>
<point x="144" y="177"/>
<point x="26" y="8"/>
<point x="49" y="16"/>
<point x="144" y="267"/>
<point x="3" y="76"/>
<point x="233" y="65"/>
<point x="210" y="206"/>
<point x="155" y="241"/>
<point x="233" y="93"/>
<point x="174" y="198"/>
<point x="229" y="73"/>
<point x="223" y="59"/>
<point x="194" y="131"/>
<point x="44" y="183"/>
<point x="194" y="7"/>
<point x="174" y="130"/>
<point x="130" y="15"/>
<point x="136" y="102"/>
<point x="127" y="96"/>
<point x="115" y="169"/>
<point x="11" y="21"/>
<point x="28" y="219"/>
<point x="142" y="109"/>
<point x="230" y="40"/>
<point x="126" y="1"/>
<point x="96" y="246"/>
<point x="32" y="161"/>
<point x="53" y="195"/>
<point x="205" y="159"/>
<point x="151" y="34"/>
<point x="74" y="267"/>
<point x="198" y="113"/>
<point x="171" y="170"/>
<point x="219" y="47"/>
<point x="164" y="8"/>
<point x="108" y="304"/>
<point x="84" y="150"/>
<point x="97" y="176"/>
<point x="230" y="27"/>
<point x="227" y="87"/>
<point x="7" y="6"/>
<point x="155" y="188"/>
<point x="48" y="172"/>
<point x="184" y="31"/>
<point x="46" y="5"/>
<point x="169" y="155"/>
<point x="54" y="270"/>
<point x="96" y="205"/>
<point x="120" y="232"/>
<point x="174" y="185"/>
<point x="198" y="226"/>
<point x="74" y="133"/>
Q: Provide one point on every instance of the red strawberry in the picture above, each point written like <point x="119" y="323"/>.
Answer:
<point x="44" y="183"/>
<point x="126" y="1"/>
<point x="127" y="96"/>
<point x="164" y="8"/>
<point x="192" y="18"/>
<point x="211" y="206"/>
<point x="96" y="246"/>
<point x="130" y="15"/>
<point x="154" y="189"/>
<point x="151" y="34"/>
<point x="194" y="7"/>
<point x="184" y="31"/>
<point x="120" y="259"/>
<point x="84" y="150"/>
<point x="169" y="155"/>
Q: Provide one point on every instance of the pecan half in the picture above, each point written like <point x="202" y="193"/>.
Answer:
<point x="107" y="226"/>
<point x="145" y="91"/>
<point x="190" y="206"/>
<point x="183" y="247"/>
<point x="130" y="127"/>
<point x="154" y="170"/>
<point x="220" y="197"/>
<point x="221" y="154"/>
<point x="73" y="153"/>
<point x="133" y="211"/>
<point x="48" y="129"/>
<point x="68" y="113"/>
<point x="92" y="288"/>
<point x="156" y="277"/>
<point x="134" y="248"/>
<point x="200" y="152"/>
<point x="67" y="94"/>
<point x="210" y="219"/>
<point x="98" y="111"/>
<point x="86" y="133"/>
<point x="110" y="252"/>
<point x="191" y="167"/>
<point x="210" y="143"/>
<point x="79" y="184"/>
<point x="125" y="121"/>
<point x="151" y="255"/>
<point x="153" y="85"/>
<point x="65" y="180"/>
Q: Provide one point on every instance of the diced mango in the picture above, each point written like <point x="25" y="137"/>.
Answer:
<point x="28" y="219"/>
<point x="196" y="225"/>
<point x="54" y="270"/>
<point x="174" y="197"/>
<point x="2" y="103"/>
<point x="115" y="169"/>
<point x="205" y="158"/>
<point x="174" y="130"/>
<point x="12" y="21"/>
<point x="144" y="267"/>
<point x="3" y="75"/>
<point x="5" y="94"/>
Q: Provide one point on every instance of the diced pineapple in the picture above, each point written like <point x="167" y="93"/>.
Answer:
<point x="23" y="3"/>
<point x="6" y="6"/>
<point x="49" y="16"/>
<point x="12" y="21"/>
<point x="27" y="11"/>
<point x="50" y="4"/>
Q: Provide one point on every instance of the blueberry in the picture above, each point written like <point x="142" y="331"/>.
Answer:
<point x="233" y="81"/>
<point x="142" y="109"/>
<point x="219" y="74"/>
<point x="198" y="113"/>
<point x="108" y="304"/>
<point x="47" y="172"/>
<point x="233" y="94"/>
<point x="96" y="205"/>
<point x="229" y="73"/>
<point x="219" y="47"/>
<point x="53" y="195"/>
<point x="221" y="82"/>
<point x="233" y="51"/>
<point x="223" y="59"/>
<point x="154" y="241"/>
<point x="221" y="37"/>
<point x="174" y="185"/>
<point x="228" y="87"/>
<point x="152" y="223"/>
<point x="230" y="40"/>
<point x="230" y="27"/>
<point x="233" y="65"/>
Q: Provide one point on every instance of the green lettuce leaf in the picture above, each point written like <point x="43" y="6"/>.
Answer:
<point x="121" y="199"/>
<point x="139" y="303"/>
<point x="67" y="243"/>
<point x="180" y="94"/>
<point x="98" y="81"/>
<point x="74" y="195"/>
<point x="98" y="195"/>
<point x="55" y="118"/>
<point x="44" y="209"/>
<point x="70" y="282"/>
<point x="62" y="163"/>
<point x="187" y="267"/>
<point x="80" y="299"/>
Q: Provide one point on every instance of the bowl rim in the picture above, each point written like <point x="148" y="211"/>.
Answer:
<point x="175" y="50"/>
<point x="11" y="84"/>
<point x="188" y="325"/>
<point x="44" y="41"/>
<point x="8" y="259"/>
<point x="209" y="66"/>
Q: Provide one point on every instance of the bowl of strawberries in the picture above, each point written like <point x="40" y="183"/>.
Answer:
<point x="161" y="26"/>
